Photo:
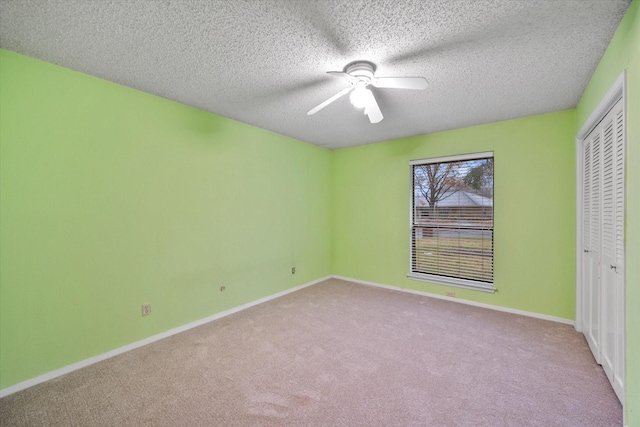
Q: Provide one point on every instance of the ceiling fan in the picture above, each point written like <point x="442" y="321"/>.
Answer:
<point x="360" y="74"/>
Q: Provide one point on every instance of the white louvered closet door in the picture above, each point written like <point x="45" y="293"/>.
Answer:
<point x="592" y="237"/>
<point x="612" y="350"/>
<point x="603" y="244"/>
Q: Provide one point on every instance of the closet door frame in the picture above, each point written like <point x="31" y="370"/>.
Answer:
<point x="615" y="93"/>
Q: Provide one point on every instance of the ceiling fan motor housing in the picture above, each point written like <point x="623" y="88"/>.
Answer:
<point x="362" y="70"/>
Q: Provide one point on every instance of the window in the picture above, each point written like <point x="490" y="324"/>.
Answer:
<point x="452" y="221"/>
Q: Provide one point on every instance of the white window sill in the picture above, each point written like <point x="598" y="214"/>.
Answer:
<point x="452" y="281"/>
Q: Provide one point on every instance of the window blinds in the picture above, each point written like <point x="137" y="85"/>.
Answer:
<point x="452" y="218"/>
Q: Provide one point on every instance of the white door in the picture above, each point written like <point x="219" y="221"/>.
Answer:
<point x="591" y="260"/>
<point x="585" y="255"/>
<point x="612" y="349"/>
<point x="603" y="244"/>
<point x="620" y="291"/>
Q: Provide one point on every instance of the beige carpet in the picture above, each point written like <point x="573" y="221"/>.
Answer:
<point x="339" y="354"/>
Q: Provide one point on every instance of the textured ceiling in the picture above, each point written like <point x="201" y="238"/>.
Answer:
<point x="264" y="62"/>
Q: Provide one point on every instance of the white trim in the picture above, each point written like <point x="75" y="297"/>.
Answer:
<point x="578" y="248"/>
<point x="607" y="102"/>
<point x="434" y="278"/>
<point x="109" y="354"/>
<point x="454" y="158"/>
<point x="615" y="93"/>
<point x="461" y="301"/>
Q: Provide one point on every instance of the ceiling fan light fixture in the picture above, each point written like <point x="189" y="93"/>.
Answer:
<point x="359" y="96"/>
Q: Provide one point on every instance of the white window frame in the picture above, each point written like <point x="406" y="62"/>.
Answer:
<point x="432" y="278"/>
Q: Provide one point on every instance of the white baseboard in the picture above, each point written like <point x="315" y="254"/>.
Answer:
<point x="90" y="361"/>
<point x="461" y="301"/>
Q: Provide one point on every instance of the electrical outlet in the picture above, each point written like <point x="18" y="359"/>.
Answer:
<point x="451" y="294"/>
<point x="293" y="270"/>
<point x="146" y="309"/>
<point x="222" y="288"/>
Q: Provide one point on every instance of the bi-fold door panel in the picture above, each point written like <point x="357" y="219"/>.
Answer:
<point x="603" y="244"/>
<point x="591" y="261"/>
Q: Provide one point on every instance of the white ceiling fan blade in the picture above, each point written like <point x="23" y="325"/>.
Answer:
<point x="372" y="109"/>
<point x="329" y="101"/>
<point x="343" y="74"/>
<point x="416" y="83"/>
<point x="338" y="73"/>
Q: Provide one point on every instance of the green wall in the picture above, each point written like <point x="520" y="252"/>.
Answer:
<point x="111" y="198"/>
<point x="534" y="210"/>
<point x="624" y="53"/>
